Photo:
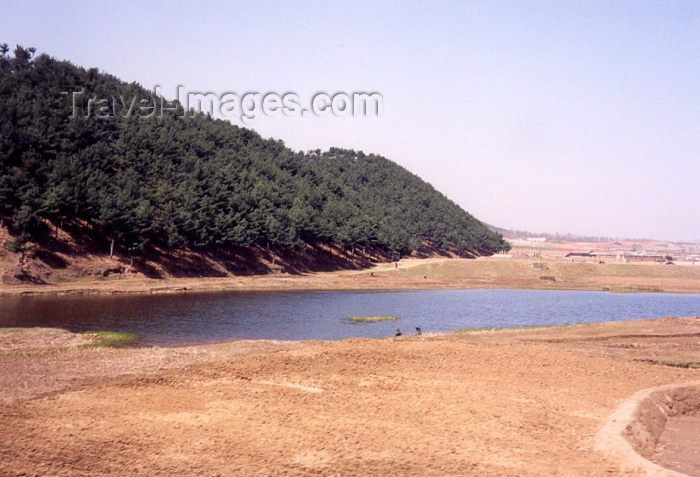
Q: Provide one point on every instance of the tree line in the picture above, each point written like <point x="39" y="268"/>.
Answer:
<point x="176" y="181"/>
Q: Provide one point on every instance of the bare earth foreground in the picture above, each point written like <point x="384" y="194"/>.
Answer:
<point x="519" y="402"/>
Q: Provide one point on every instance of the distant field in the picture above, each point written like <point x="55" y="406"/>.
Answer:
<point x="615" y="277"/>
<point x="430" y="273"/>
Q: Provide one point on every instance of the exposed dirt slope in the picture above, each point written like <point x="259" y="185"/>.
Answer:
<point x="74" y="254"/>
<point x="427" y="273"/>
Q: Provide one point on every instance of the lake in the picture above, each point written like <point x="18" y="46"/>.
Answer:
<point x="170" y="320"/>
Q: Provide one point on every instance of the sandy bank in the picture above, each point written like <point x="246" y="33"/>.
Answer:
<point x="525" y="402"/>
<point x="434" y="273"/>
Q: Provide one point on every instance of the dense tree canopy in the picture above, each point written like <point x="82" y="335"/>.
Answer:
<point x="179" y="181"/>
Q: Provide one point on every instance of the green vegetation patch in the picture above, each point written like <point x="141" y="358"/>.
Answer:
<point x="113" y="338"/>
<point x="373" y="319"/>
<point x="483" y="328"/>
<point x="522" y="327"/>
<point x="690" y="364"/>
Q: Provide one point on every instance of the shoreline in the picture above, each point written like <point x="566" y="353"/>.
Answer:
<point x="408" y="274"/>
<point x="364" y="280"/>
<point x="518" y="402"/>
<point x="146" y="289"/>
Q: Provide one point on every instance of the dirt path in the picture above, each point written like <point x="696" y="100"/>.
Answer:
<point x="525" y="402"/>
<point x="403" y="265"/>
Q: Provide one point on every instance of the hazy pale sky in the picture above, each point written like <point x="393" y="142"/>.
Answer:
<point x="549" y="116"/>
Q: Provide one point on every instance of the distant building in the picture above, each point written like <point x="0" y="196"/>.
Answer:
<point x="594" y="256"/>
<point x="581" y="254"/>
<point x="536" y="239"/>
<point x="527" y="240"/>
<point x="632" y="257"/>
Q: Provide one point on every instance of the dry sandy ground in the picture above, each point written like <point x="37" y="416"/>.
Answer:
<point x="506" y="403"/>
<point x="430" y="273"/>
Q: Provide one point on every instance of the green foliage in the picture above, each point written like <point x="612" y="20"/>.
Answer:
<point x="113" y="338"/>
<point x="510" y="328"/>
<point x="478" y="328"/>
<point x="373" y="319"/>
<point x="17" y="244"/>
<point x="197" y="182"/>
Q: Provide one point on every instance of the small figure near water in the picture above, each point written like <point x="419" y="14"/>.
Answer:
<point x="398" y="333"/>
<point x="419" y="331"/>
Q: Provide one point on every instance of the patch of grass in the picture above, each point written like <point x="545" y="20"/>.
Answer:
<point x="522" y="327"/>
<point x="483" y="328"/>
<point x="689" y="364"/>
<point x="373" y="319"/>
<point x="558" y="325"/>
<point x="683" y="364"/>
<point x="623" y="290"/>
<point x="113" y="338"/>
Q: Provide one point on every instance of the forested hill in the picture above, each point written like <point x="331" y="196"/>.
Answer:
<point x="190" y="182"/>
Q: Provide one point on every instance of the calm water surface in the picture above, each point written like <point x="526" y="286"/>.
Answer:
<point x="206" y="318"/>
